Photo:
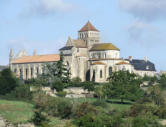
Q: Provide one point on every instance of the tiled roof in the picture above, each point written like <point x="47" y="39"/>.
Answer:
<point x="98" y="63"/>
<point x="122" y="63"/>
<point x="142" y="65"/>
<point x="88" y="27"/>
<point x="37" y="59"/>
<point x="104" y="46"/>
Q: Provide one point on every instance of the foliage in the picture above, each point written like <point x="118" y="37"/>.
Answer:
<point x="76" y="80"/>
<point x="88" y="86"/>
<point x="8" y="81"/>
<point x="99" y="92"/>
<point x="22" y="91"/>
<point x="124" y="85"/>
<point x="64" y="109"/>
<point x="100" y="120"/>
<point x="58" y="85"/>
<point x="39" y="118"/>
<point x="84" y="109"/>
<point x="156" y="95"/>
<point x="162" y="81"/>
<point x="61" y="94"/>
<point x="145" y="121"/>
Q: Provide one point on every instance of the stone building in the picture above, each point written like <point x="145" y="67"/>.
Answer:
<point x="87" y="57"/>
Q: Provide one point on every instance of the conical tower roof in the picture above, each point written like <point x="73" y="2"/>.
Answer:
<point x="88" y="27"/>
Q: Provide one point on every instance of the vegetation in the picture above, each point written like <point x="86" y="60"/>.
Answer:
<point x="122" y="102"/>
<point x="8" y="81"/>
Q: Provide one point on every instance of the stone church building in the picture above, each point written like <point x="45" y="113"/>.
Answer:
<point x="87" y="57"/>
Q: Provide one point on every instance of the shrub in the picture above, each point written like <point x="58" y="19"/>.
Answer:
<point x="8" y="81"/>
<point x="58" y="85"/>
<point x="61" y="94"/>
<point x="84" y="109"/>
<point x="39" y="118"/>
<point x="64" y="109"/>
<point x="145" y="121"/>
<point x="22" y="91"/>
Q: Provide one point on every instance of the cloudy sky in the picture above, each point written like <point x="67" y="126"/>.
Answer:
<point x="137" y="27"/>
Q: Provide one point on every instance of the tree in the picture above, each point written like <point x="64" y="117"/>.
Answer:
<point x="8" y="81"/>
<point x="88" y="86"/>
<point x="156" y="95"/>
<point x="99" y="91"/>
<point x="57" y="71"/>
<point x="58" y="85"/>
<point x="162" y="81"/>
<point x="124" y="85"/>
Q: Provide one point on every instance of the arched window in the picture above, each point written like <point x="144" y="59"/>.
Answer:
<point x="15" y="71"/>
<point x="31" y="72"/>
<point x="101" y="74"/>
<point x="37" y="70"/>
<point x="110" y="71"/>
<point x="26" y="74"/>
<point x="21" y="74"/>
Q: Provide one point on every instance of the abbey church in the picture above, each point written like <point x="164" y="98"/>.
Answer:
<point x="87" y="57"/>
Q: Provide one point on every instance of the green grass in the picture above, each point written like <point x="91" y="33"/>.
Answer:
<point x="22" y="112"/>
<point x="111" y="106"/>
<point x="16" y="111"/>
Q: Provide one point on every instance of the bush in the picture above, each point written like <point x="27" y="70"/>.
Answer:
<point x="64" y="109"/>
<point x="39" y="119"/>
<point x="22" y="91"/>
<point x="8" y="81"/>
<point x="61" y="94"/>
<point x="58" y="85"/>
<point x="84" y="109"/>
<point x="145" y="121"/>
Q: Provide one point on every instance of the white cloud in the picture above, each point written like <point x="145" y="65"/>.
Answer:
<point x="144" y="34"/>
<point x="46" y="7"/>
<point x="145" y="9"/>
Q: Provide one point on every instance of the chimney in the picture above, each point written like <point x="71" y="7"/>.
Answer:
<point x="146" y="59"/>
<point x="130" y="58"/>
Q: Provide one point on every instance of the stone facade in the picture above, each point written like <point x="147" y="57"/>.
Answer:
<point x="87" y="57"/>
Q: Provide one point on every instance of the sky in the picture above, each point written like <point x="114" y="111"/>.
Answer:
<point x="137" y="27"/>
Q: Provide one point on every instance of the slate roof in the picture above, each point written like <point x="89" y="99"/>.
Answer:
<point x="2" y="67"/>
<point x="88" y="27"/>
<point x="66" y="48"/>
<point x="142" y="65"/>
<point x="103" y="47"/>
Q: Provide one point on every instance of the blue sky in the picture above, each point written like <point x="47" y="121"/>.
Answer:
<point x="137" y="27"/>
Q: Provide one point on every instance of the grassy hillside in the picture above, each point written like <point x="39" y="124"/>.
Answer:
<point x="16" y="111"/>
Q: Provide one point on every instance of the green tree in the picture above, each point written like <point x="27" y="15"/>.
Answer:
<point x="8" y="81"/>
<point x="99" y="92"/>
<point x="124" y="85"/>
<point x="88" y="86"/>
<point x="162" y="81"/>
<point x="56" y="72"/>
<point x="156" y="95"/>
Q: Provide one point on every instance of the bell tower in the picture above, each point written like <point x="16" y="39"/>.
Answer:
<point x="89" y="34"/>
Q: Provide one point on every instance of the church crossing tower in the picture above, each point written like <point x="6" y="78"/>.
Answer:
<point x="89" y="34"/>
